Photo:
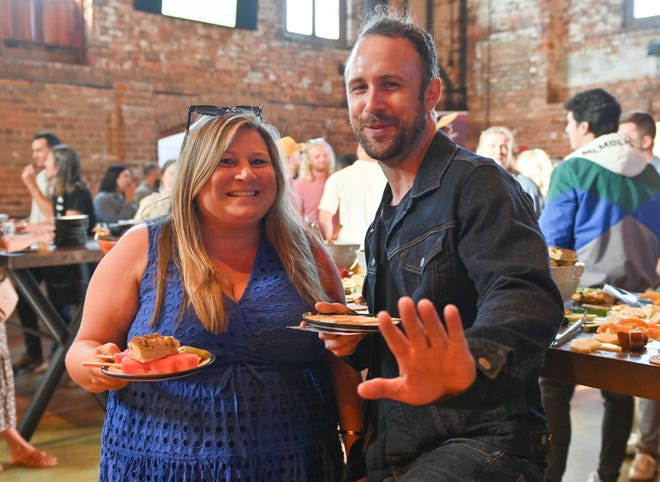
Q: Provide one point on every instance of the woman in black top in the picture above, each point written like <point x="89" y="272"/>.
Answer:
<point x="70" y="193"/>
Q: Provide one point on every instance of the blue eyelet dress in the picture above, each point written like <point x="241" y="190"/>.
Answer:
<point x="264" y="411"/>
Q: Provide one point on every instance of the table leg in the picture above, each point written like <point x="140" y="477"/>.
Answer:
<point x="29" y="289"/>
<point x="48" y="383"/>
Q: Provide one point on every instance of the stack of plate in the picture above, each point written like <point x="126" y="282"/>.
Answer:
<point x="71" y="231"/>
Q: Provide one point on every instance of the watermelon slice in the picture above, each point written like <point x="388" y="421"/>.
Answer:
<point x="161" y="366"/>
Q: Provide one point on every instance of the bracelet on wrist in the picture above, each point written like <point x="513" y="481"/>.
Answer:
<point x="356" y="433"/>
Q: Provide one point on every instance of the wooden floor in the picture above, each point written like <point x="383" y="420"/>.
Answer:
<point x="71" y="427"/>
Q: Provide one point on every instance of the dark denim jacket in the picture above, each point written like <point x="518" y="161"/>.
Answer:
<point x="466" y="234"/>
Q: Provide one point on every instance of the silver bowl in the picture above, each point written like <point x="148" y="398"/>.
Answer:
<point x="567" y="278"/>
<point x="343" y="254"/>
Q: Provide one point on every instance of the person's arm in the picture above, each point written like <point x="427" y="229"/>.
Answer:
<point x="29" y="179"/>
<point x="111" y="302"/>
<point x="508" y="331"/>
<point x="345" y="379"/>
<point x="326" y="223"/>
<point x="129" y="194"/>
<point x="518" y="307"/>
<point x="38" y="234"/>
<point x="328" y="206"/>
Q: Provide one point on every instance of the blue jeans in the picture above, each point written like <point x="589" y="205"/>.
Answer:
<point x="648" y="426"/>
<point x="617" y="422"/>
<point x="462" y="459"/>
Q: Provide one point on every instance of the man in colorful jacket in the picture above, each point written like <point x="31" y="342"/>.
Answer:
<point x="603" y="202"/>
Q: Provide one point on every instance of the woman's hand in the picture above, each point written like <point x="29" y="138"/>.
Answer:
<point x="45" y="234"/>
<point x="339" y="345"/>
<point x="97" y="380"/>
<point x="89" y="378"/>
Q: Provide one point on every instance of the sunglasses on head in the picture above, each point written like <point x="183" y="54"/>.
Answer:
<point x="218" y="110"/>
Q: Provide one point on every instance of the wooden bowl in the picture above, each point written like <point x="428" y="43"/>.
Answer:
<point x="106" y="243"/>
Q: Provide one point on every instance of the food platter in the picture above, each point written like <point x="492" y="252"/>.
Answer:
<point x="114" y="370"/>
<point x="344" y="323"/>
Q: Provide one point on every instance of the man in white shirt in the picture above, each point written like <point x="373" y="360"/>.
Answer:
<point x="355" y="192"/>
<point x="42" y="143"/>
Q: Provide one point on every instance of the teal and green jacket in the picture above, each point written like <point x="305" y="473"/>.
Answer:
<point x="604" y="202"/>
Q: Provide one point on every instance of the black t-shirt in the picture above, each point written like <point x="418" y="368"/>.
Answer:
<point x="386" y="293"/>
<point x="79" y="199"/>
<point x="383" y="363"/>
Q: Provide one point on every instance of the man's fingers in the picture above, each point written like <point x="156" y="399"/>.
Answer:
<point x="379" y="388"/>
<point x="415" y="331"/>
<point x="395" y="338"/>
<point x="435" y="331"/>
<point x="454" y="324"/>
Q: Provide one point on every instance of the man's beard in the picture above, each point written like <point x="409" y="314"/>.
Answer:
<point x="401" y="143"/>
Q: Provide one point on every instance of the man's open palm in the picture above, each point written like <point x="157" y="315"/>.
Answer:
<point x="433" y="362"/>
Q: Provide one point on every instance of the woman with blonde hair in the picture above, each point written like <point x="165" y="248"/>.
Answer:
<point x="318" y="162"/>
<point x="228" y="271"/>
<point x="536" y="165"/>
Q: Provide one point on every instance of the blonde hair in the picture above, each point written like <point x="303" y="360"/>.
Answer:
<point x="305" y="170"/>
<point x="537" y="165"/>
<point x="180" y="239"/>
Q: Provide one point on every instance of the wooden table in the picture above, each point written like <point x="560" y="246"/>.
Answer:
<point x="18" y="265"/>
<point x="626" y="372"/>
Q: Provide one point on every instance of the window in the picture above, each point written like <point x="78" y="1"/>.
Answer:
<point x="317" y="19"/>
<point x="43" y="29"/>
<point x="641" y="13"/>
<point x="226" y="13"/>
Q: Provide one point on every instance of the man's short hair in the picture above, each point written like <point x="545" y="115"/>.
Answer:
<point x="382" y="21"/>
<point x="149" y="167"/>
<point x="642" y="119"/>
<point x="51" y="139"/>
<point x="597" y="107"/>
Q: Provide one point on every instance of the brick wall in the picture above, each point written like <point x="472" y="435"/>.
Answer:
<point x="142" y="72"/>
<point x="524" y="58"/>
<point x="528" y="57"/>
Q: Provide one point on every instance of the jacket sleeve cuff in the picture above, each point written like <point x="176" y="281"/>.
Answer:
<point x="490" y="359"/>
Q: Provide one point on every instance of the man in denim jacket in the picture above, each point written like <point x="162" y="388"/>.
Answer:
<point x="456" y="235"/>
